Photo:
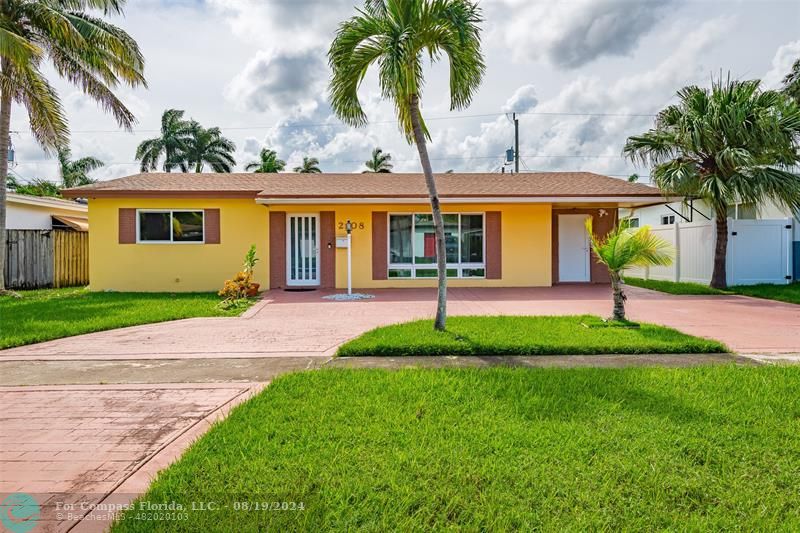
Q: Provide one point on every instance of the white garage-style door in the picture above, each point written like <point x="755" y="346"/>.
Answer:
<point x="573" y="249"/>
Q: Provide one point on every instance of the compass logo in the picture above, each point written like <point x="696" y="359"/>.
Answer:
<point x="19" y="512"/>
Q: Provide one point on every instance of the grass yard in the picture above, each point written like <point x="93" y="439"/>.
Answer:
<point x="783" y="293"/>
<point x="523" y="335"/>
<point x="47" y="314"/>
<point x="643" y="449"/>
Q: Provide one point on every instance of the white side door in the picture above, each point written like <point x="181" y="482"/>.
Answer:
<point x="302" y="250"/>
<point x="573" y="249"/>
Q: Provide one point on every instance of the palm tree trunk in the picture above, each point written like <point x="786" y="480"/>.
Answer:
<point x="436" y="210"/>
<point x="619" y="297"/>
<point x="5" y="126"/>
<point x="719" y="278"/>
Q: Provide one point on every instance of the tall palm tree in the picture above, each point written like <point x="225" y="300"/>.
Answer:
<point x="208" y="146"/>
<point x="791" y="83"/>
<point x="76" y="173"/>
<point x="82" y="47"/>
<point x="310" y="166"/>
<point x="397" y="35"/>
<point x="732" y="143"/>
<point x="379" y="162"/>
<point x="624" y="247"/>
<point x="172" y="144"/>
<point x="268" y="162"/>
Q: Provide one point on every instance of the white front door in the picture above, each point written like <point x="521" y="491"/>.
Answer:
<point x="573" y="248"/>
<point x="302" y="250"/>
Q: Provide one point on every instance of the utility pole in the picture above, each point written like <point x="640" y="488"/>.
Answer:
<point x="516" y="143"/>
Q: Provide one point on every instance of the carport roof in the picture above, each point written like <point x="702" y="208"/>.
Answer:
<point x="303" y="188"/>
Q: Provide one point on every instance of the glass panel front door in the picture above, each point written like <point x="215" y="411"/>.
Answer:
<point x="302" y="250"/>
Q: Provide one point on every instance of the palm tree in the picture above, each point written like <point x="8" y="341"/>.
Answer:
<point x="379" y="162"/>
<point x="626" y="247"/>
<point x="172" y="144"/>
<point x="396" y="35"/>
<point x="208" y="146"/>
<point x="310" y="166"/>
<point x="82" y="47"/>
<point x="268" y="162"/>
<point x="732" y="143"/>
<point x="76" y="173"/>
<point x="791" y="83"/>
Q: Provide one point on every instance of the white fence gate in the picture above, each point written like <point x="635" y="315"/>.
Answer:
<point x="759" y="251"/>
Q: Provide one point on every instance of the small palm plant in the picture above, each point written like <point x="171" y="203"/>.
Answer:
<point x="626" y="247"/>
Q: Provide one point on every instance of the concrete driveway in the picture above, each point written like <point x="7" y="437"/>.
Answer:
<point x="302" y="324"/>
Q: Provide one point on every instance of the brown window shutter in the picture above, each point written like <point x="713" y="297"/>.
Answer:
<point x="212" y="232"/>
<point x="327" y="242"/>
<point x="127" y="225"/>
<point x="277" y="249"/>
<point x="494" y="246"/>
<point x="380" y="245"/>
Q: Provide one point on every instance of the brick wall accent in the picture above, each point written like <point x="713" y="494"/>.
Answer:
<point x="494" y="245"/>
<point x="277" y="249"/>
<point x="327" y="243"/>
<point x="601" y="225"/>
<point x="127" y="225"/>
<point x="380" y="251"/>
<point x="212" y="231"/>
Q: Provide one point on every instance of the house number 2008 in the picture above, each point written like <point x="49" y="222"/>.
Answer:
<point x="356" y="225"/>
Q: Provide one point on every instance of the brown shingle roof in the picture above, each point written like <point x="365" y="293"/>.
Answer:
<point x="545" y="184"/>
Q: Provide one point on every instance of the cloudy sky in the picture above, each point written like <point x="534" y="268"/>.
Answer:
<point x="582" y="74"/>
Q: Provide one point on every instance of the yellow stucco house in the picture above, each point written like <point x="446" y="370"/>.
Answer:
<point x="189" y="232"/>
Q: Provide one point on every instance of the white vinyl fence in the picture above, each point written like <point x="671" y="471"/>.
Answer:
<point x="759" y="251"/>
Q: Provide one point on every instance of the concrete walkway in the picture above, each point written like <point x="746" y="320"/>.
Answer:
<point x="302" y="324"/>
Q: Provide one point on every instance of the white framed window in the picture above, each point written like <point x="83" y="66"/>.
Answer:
<point x="412" y="245"/>
<point x="667" y="219"/>
<point x="633" y="222"/>
<point x="170" y="226"/>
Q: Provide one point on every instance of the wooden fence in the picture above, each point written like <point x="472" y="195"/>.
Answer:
<point x="46" y="258"/>
<point x="70" y="258"/>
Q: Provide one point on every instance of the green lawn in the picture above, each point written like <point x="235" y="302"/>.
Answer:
<point x="54" y="313"/>
<point x="639" y="449"/>
<point x="784" y="293"/>
<point x="523" y="335"/>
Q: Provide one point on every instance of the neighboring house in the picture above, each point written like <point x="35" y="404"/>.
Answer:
<point x="698" y="210"/>
<point x="39" y="212"/>
<point x="189" y="232"/>
<point x="692" y="211"/>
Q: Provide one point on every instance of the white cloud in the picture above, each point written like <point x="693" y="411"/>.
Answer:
<point x="284" y="81"/>
<point x="571" y="34"/>
<point x="782" y="63"/>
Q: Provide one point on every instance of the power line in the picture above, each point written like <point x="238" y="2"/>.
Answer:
<point x="377" y="122"/>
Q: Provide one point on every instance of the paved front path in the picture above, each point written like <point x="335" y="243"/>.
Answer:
<point x="303" y="324"/>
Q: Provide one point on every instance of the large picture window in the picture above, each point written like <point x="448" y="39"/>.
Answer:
<point x="182" y="226"/>
<point x="412" y="245"/>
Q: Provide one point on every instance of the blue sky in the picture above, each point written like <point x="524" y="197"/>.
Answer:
<point x="257" y="69"/>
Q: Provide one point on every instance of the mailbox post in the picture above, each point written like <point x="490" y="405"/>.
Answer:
<point x="349" y="227"/>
